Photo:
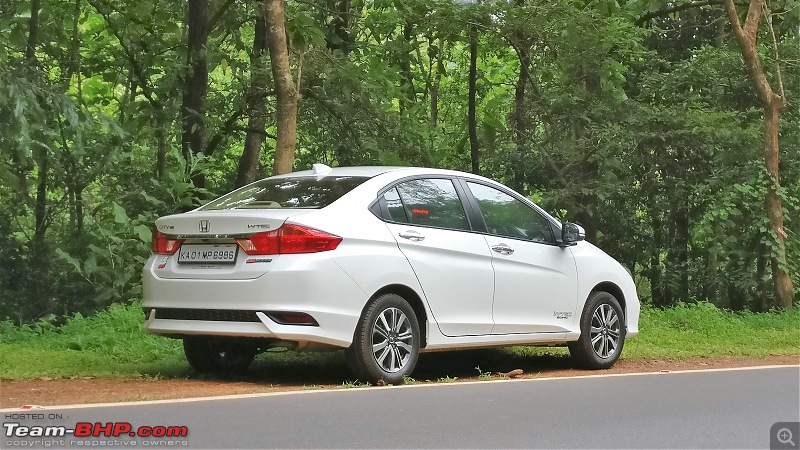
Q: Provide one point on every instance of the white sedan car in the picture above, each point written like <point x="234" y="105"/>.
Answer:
<point x="385" y="262"/>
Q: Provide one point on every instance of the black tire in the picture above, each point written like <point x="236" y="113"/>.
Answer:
<point x="218" y="355"/>
<point x="388" y="320"/>
<point x="602" y="333"/>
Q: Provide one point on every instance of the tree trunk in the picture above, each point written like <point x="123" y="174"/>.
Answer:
<point x="437" y="78"/>
<point x="161" y="149"/>
<point x="40" y="262"/>
<point x="681" y="246"/>
<point x="472" y="119"/>
<point x="656" y="283"/>
<point x="407" y="79"/>
<point x="773" y="104"/>
<point x="72" y="64"/>
<point x="285" y="90"/>
<point x="709" y="288"/>
<point x="33" y="32"/>
<point x="520" y="117"/>
<point x="587" y="169"/>
<point x="341" y="27"/>
<point x="668" y="283"/>
<point x="195" y="87"/>
<point x="256" y="103"/>
<point x="764" y="290"/>
<point x="784" y="289"/>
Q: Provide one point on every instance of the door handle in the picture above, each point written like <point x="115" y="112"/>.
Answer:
<point x="503" y="249"/>
<point x="412" y="235"/>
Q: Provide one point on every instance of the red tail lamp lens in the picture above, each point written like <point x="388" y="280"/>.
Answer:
<point x="289" y="239"/>
<point x="163" y="245"/>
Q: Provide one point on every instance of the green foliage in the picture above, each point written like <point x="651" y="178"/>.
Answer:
<point x="649" y="133"/>
<point x="702" y="329"/>
<point x="108" y="344"/>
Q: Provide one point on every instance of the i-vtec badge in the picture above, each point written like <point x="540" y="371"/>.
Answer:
<point x="260" y="226"/>
<point x="205" y="226"/>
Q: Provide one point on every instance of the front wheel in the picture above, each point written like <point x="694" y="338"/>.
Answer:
<point x="386" y="342"/>
<point x="602" y="333"/>
<point x="218" y="355"/>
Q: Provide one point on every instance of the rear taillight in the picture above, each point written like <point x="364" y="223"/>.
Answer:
<point x="163" y="245"/>
<point x="289" y="239"/>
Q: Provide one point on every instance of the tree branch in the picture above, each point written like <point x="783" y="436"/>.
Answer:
<point x="137" y="68"/>
<point x="778" y="75"/>
<point x="224" y="130"/>
<point x="677" y="8"/>
<point x="753" y="17"/>
<point x="218" y="15"/>
<point x="254" y="130"/>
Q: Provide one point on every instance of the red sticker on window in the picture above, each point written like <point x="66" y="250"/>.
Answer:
<point x="423" y="212"/>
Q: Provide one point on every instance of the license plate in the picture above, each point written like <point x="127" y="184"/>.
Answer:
<point x="207" y="253"/>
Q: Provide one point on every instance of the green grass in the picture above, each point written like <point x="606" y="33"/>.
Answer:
<point x="112" y="344"/>
<point x="701" y="329"/>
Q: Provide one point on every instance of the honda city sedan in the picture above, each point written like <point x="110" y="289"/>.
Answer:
<point x="385" y="263"/>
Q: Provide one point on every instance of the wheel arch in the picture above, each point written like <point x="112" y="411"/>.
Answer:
<point x="613" y="289"/>
<point x="413" y="299"/>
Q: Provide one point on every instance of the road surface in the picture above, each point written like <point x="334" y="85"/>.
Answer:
<point x="709" y="409"/>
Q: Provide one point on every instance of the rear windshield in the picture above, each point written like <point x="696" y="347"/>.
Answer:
<point x="299" y="192"/>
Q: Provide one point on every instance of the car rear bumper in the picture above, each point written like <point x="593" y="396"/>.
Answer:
<point x="312" y="285"/>
<point x="266" y="328"/>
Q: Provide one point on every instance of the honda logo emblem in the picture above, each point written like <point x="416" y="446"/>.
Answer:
<point x="205" y="226"/>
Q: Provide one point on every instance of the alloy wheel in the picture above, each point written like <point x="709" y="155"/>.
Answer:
<point x="605" y="331"/>
<point x="392" y="340"/>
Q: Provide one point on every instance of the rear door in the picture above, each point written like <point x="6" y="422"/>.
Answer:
<point x="536" y="289"/>
<point x="453" y="265"/>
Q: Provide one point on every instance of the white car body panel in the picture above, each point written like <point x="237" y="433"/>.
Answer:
<point x="535" y="289"/>
<point x="455" y="272"/>
<point x="595" y="267"/>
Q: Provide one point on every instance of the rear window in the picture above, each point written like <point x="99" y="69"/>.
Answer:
<point x="299" y="192"/>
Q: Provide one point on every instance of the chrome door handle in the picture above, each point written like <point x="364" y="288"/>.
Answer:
<point x="412" y="235"/>
<point x="503" y="249"/>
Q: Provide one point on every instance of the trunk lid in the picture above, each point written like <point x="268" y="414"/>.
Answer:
<point x="209" y="250"/>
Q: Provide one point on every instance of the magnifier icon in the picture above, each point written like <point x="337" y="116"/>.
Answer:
<point x="784" y="436"/>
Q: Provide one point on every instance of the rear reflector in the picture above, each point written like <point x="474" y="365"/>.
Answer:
<point x="293" y="318"/>
<point x="289" y="239"/>
<point x="163" y="245"/>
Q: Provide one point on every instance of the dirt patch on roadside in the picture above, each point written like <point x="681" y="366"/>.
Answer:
<point x="460" y="365"/>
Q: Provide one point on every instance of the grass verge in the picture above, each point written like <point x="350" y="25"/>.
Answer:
<point x="112" y="344"/>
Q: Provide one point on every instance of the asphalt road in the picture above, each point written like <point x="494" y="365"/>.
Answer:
<point x="714" y="409"/>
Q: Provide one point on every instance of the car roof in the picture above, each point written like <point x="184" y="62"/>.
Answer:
<point x="359" y="171"/>
<point x="373" y="171"/>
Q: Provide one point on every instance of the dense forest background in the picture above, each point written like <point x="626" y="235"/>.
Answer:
<point x="645" y="121"/>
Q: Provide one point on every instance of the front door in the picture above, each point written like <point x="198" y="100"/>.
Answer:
<point x="535" y="283"/>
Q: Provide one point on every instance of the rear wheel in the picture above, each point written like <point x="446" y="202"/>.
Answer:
<point x="218" y="355"/>
<point x="386" y="342"/>
<point x="602" y="333"/>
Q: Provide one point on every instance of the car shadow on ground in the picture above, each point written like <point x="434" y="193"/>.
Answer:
<point x="317" y="369"/>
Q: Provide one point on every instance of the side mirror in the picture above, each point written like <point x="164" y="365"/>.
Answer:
<point x="571" y="233"/>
